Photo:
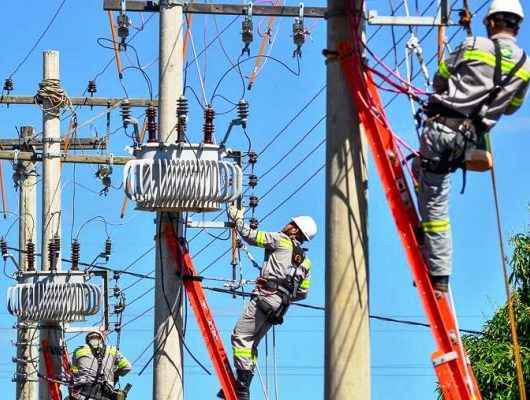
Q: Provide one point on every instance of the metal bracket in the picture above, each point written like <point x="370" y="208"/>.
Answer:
<point x="53" y="154"/>
<point x="208" y="224"/>
<point x="375" y="19"/>
<point x="171" y="3"/>
<point x="444" y="358"/>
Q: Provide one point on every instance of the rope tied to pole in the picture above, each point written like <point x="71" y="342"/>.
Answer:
<point x="52" y="97"/>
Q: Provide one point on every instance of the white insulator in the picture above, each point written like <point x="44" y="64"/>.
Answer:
<point x="52" y="297"/>
<point x="182" y="178"/>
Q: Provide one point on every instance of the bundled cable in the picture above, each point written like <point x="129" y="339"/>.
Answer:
<point x="52" y="97"/>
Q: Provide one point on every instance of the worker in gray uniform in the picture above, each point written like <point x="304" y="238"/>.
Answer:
<point x="285" y="278"/>
<point x="96" y="368"/>
<point x="482" y="80"/>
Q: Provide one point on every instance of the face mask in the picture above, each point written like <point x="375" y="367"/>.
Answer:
<point x="95" y="343"/>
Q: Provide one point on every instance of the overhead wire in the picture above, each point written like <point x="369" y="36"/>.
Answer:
<point x="196" y="60"/>
<point x="39" y="39"/>
<point x="267" y="146"/>
<point x="207" y="245"/>
<point x="275" y="209"/>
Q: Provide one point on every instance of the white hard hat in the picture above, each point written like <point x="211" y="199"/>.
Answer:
<point x="307" y="226"/>
<point x="94" y="333"/>
<point x="506" y="6"/>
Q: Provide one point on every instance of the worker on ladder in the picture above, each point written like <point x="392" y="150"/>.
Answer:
<point x="285" y="277"/>
<point x="482" y="80"/>
<point x="96" y="369"/>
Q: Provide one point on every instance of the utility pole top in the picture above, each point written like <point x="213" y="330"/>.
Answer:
<point x="51" y="64"/>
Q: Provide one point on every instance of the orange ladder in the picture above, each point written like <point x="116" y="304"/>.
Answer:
<point x="455" y="375"/>
<point x="203" y="314"/>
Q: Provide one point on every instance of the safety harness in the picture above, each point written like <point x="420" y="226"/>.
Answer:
<point x="286" y="288"/>
<point x="99" y="389"/>
<point x="471" y="128"/>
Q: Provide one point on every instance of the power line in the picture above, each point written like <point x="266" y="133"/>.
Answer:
<point x="276" y="208"/>
<point x="50" y="23"/>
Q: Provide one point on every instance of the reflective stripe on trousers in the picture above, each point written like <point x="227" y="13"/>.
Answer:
<point x="433" y="199"/>
<point x="249" y="331"/>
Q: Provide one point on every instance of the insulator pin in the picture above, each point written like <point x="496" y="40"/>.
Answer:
<point x="208" y="127"/>
<point x="252" y="180"/>
<point x="252" y="157"/>
<point x="242" y="111"/>
<point x="76" y="252"/>
<point x="125" y="112"/>
<point x="30" y="256"/>
<point x="151" y="124"/>
<point x="53" y="252"/>
<point x="91" y="88"/>
<point x="8" y="85"/>
<point x="108" y="248"/>
<point x="253" y="201"/>
<point x="182" y="118"/>
<point x="3" y="247"/>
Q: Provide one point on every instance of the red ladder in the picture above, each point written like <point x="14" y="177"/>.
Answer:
<point x="203" y="314"/>
<point x="450" y="361"/>
<point x="54" y="390"/>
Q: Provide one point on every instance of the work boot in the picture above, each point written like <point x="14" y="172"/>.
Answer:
<point x="244" y="378"/>
<point x="440" y="283"/>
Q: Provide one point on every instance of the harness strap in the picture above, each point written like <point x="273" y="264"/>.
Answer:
<point x="498" y="82"/>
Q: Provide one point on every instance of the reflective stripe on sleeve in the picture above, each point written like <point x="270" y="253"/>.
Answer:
<point x="82" y="352"/>
<point x="306" y="283"/>
<point x="123" y="363"/>
<point x="260" y="239"/>
<point x="488" y="58"/>
<point x="436" y="226"/>
<point x="443" y="70"/>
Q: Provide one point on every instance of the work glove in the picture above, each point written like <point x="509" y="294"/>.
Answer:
<point x="235" y="213"/>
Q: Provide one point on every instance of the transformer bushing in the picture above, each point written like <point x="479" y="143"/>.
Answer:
<point x="182" y="177"/>
<point x="49" y="296"/>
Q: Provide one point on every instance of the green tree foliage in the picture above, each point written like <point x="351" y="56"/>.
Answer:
<point x="491" y="354"/>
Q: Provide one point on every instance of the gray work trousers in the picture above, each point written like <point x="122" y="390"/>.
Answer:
<point x="249" y="330"/>
<point x="437" y="141"/>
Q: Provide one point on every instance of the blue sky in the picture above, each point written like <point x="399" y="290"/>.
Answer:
<point x="400" y="353"/>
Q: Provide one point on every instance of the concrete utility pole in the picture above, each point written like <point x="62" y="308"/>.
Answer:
<point x="168" y="382"/>
<point x="347" y="336"/>
<point x="27" y="388"/>
<point x="51" y="203"/>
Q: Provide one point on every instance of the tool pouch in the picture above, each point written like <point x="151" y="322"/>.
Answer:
<point x="479" y="158"/>
<point x="274" y="315"/>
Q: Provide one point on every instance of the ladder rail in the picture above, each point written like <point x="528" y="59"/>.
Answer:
<point x="451" y="364"/>
<point x="199" y="305"/>
<point x="54" y="390"/>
